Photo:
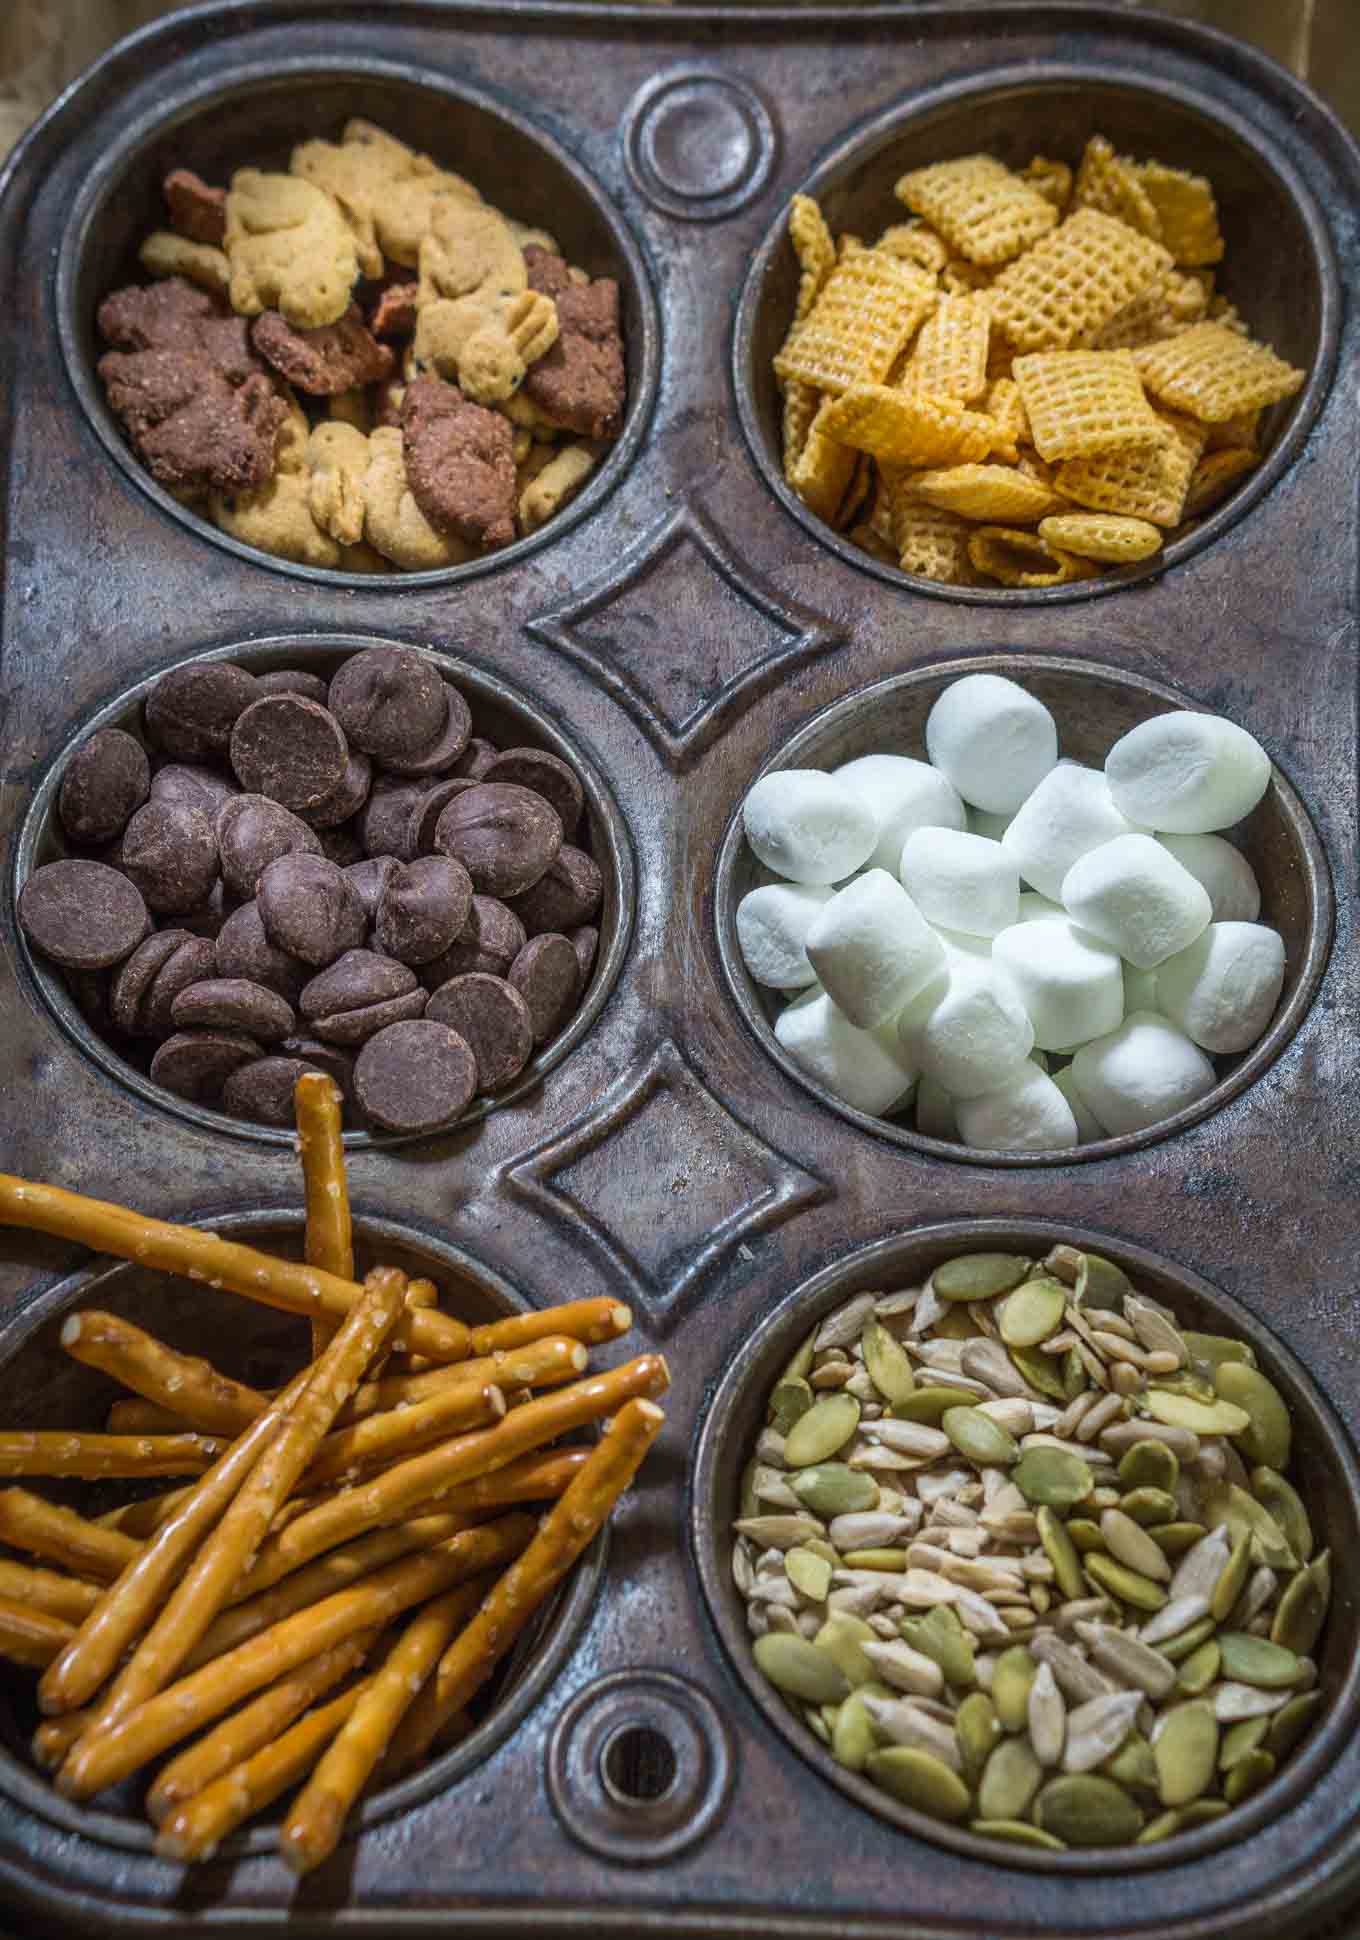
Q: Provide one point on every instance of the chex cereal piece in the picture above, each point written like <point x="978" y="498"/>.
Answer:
<point x="949" y="357"/>
<point x="1074" y="281"/>
<point x="1109" y="182"/>
<point x="1187" y="295"/>
<point x="821" y="477"/>
<point x="1212" y="476"/>
<point x="1023" y="558"/>
<point x="1243" y="428"/>
<point x="1221" y="311"/>
<point x="982" y="210"/>
<point x="869" y="308"/>
<point x="959" y="277"/>
<point x="906" y="427"/>
<point x="1143" y="484"/>
<point x="1187" y="211"/>
<point x="1138" y="323"/>
<point x="868" y="540"/>
<point x="1081" y="403"/>
<point x="1052" y="179"/>
<point x="1092" y="535"/>
<point x="935" y="545"/>
<point x="801" y="405"/>
<point x="1003" y="404"/>
<point x="1212" y="373"/>
<point x="815" y="250"/>
<point x="883" y="511"/>
<point x="915" y="242"/>
<point x="986" y="492"/>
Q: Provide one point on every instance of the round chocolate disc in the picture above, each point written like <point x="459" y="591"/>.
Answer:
<point x="263" y="1090"/>
<point x="310" y="908"/>
<point x="293" y="680"/>
<point x="586" y="942"/>
<point x="191" y="711"/>
<point x="253" y="831"/>
<point x="192" y="961"/>
<point x="192" y="787"/>
<point x="106" y="780"/>
<point x="170" y="852"/>
<point x="504" y="836"/>
<point x="446" y="747"/>
<point x="546" y="975"/>
<point x="196" y="1064"/>
<point x="243" y="950"/>
<point x="357" y="978"/>
<point x="337" y="1064"/>
<point x="565" y="895"/>
<point x="491" y="939"/>
<point x="135" y="978"/>
<point x="83" y="915"/>
<point x="368" y="878"/>
<point x="390" y="701"/>
<point x="423" y="908"/>
<point x="494" y="1018"/>
<point x="476" y="758"/>
<point x="547" y="775"/>
<point x="424" y="817"/>
<point x="356" y="1026"/>
<point x="386" y="818"/>
<point x="233" y="1004"/>
<point x="348" y="797"/>
<point x="415" y="1076"/>
<point x="291" y="749"/>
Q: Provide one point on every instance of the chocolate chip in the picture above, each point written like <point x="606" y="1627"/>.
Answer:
<point x="385" y="820"/>
<point x="294" y="680"/>
<point x="196" y="1064"/>
<point x="368" y="878"/>
<point x="192" y="961"/>
<point x="243" y="950"/>
<point x="192" y="787"/>
<point x="170" y="852"/>
<point x="586" y="942"/>
<point x="263" y="1090"/>
<point x="356" y="1026"/>
<point x="491" y="1014"/>
<point x="253" y="831"/>
<point x="347" y="797"/>
<point x="390" y="701"/>
<point x="505" y="836"/>
<point x="106" y="779"/>
<point x="414" y="1076"/>
<point x="337" y="1064"/>
<point x="233" y="1004"/>
<point x="424" y="817"/>
<point x="191" y="711"/>
<point x="547" y="775"/>
<point x="135" y="978"/>
<point x="545" y="973"/>
<point x="476" y="758"/>
<point x="310" y="908"/>
<point x="423" y="908"/>
<point x="566" y="893"/>
<point x="491" y="939"/>
<point x="82" y="915"/>
<point x="357" y="978"/>
<point x="447" y="745"/>
<point x="289" y="748"/>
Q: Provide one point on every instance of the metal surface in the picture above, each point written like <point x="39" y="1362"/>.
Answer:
<point x="679" y="628"/>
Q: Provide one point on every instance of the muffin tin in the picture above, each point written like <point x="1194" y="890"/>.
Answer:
<point x="678" y="627"/>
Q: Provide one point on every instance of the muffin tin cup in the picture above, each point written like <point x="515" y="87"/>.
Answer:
<point x="49" y="1390"/>
<point x="496" y="707"/>
<point x="1092" y="706"/>
<point x="1324" y="1466"/>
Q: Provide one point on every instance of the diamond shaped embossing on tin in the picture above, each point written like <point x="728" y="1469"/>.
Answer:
<point x="683" y="636"/>
<point x="721" y="1182"/>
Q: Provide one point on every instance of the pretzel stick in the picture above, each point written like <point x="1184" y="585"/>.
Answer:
<point x="312" y="1829"/>
<point x="133" y="1416"/>
<point x="257" y="1723"/>
<point x="43" y="1528"/>
<point x="95" y="1457"/>
<point x="55" y="1736"/>
<point x="226" y="1553"/>
<point x="144" y="1518"/>
<point x="592" y="1321"/>
<point x="380" y="1439"/>
<point x="424" y="1293"/>
<point x="182" y="1384"/>
<point x="68" y="1597"/>
<point x="29" y="1635"/>
<point x="196" y="1255"/>
<point x="199" y="1826"/>
<point x="427" y="1727"/>
<point x="319" y="1108"/>
<point x="103" y="1757"/>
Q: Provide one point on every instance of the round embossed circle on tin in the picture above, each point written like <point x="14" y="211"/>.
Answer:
<point x="640" y="1766"/>
<point x="699" y="145"/>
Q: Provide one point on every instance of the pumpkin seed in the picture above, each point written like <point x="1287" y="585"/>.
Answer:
<point x="809" y="1574"/>
<point x="1148" y="1507"/>
<point x="1161" y="1828"/>
<point x="748" y="1502"/>
<point x="1202" y="1812"/>
<point x="800" y="1669"/>
<point x="1059" y="1549"/>
<point x="1085" y="1534"/>
<point x="1149" y="1465"/>
<point x="1239" y="1739"/>
<point x="1199" y="1670"/>
<point x="835" y="1489"/>
<point x="853" y="1737"/>
<point x="940" y="1635"/>
<point x="1133" y="1765"/>
<point x="1131" y="1545"/>
<point x="1282" y="1501"/>
<point x="1186" y="1753"/>
<point x="826" y="1427"/>
<point x="1177" y="1649"/>
<point x="1248" y="1775"/>
<point x="1017" y="1832"/>
<point x="1155" y="1333"/>
<point x="1041" y="1373"/>
<point x="918" y="1779"/>
<point x="1010" y="1779"/>
<point x="1073" y="1373"/>
<point x="977" y="1728"/>
<point x="842" y="1638"/>
<point x="979" y="1276"/>
<point x="1210" y="1351"/>
<point x="1266" y="1437"/>
<point x="980" y="1439"/>
<point x="1128" y="1585"/>
<point x="1289" y="1724"/>
<point x="1053" y="1476"/>
<point x="954" y="1323"/>
<point x="1200" y="1417"/>
<point x="1083" y="1809"/>
<point x="1269" y="1544"/>
<point x="1175" y="1538"/>
<point x="799" y="1364"/>
<point x="928" y="1405"/>
<point x="887" y="1362"/>
<point x="1032" y="1312"/>
<point x="1256" y="1661"/>
<point x="1302" y="1609"/>
<point x="1101" y="1283"/>
<point x="813" y="1718"/>
<point x="1014" y="1672"/>
<point x="789" y="1402"/>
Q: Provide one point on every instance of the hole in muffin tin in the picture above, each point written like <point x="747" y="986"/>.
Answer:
<point x="45" y="1388"/>
<point x="1323" y="1467"/>
<point x="1278" y="264"/>
<point x="254" y="119"/>
<point x="504" y="715"/>
<point x="1092" y="706"/>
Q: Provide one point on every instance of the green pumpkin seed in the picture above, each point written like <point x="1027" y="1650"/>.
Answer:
<point x="1149" y="1465"/>
<point x="955" y="1323"/>
<point x="940" y="1635"/>
<point x="1016" y="1832"/>
<point x="1232" y="1579"/>
<point x="1186" y="1753"/>
<point x="1139" y="1591"/>
<point x="1074" y="1374"/>
<point x="1160" y="1828"/>
<point x="1061" y="1552"/>
<point x="842" y="1638"/>
<point x="1302" y="1609"/>
<point x="1053" y="1476"/>
<point x="980" y="1440"/>
<point x="1149" y="1506"/>
<point x="1085" y="1535"/>
<point x="826" y="1427"/>
<point x="1174" y="1538"/>
<point x="789" y="1403"/>
<point x="1248" y="1775"/>
<point x="748" y="1502"/>
<point x="1133" y="1765"/>
<point x="1101" y="1283"/>
<point x="809" y="1574"/>
<point x="1233" y="1505"/>
<point x="835" y="1489"/>
<point x="1190" y="1384"/>
<point x="921" y="1780"/>
<point x="1210" y="1351"/>
<point x="929" y="1405"/>
<point x="1199" y="1670"/>
<point x="887" y="1362"/>
<point x="1289" y="1724"/>
<point x="1010" y="1778"/>
<point x="1202" y="1812"/>
<point x="978" y="1276"/>
<point x="1200" y="1417"/>
<point x="1268" y="1432"/>
<point x="977" y="1729"/>
<point x="1083" y="1809"/>
<point x="800" y="1669"/>
<point x="1255" y="1660"/>
<point x="853" y="1737"/>
<point x="1177" y="1649"/>
<point x="1042" y="1371"/>
<point x="1014" y="1672"/>
<point x="892" y="1560"/>
<point x="1281" y="1500"/>
<point x="1032" y="1312"/>
<point x="816" y="1723"/>
<point x="799" y="1364"/>
<point x="1247" y="1735"/>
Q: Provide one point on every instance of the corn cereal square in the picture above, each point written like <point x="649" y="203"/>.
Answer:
<point x="815" y="250"/>
<point x="869" y="307"/>
<point x="1148" y="484"/>
<point x="928" y="541"/>
<point x="986" y="213"/>
<point x="1074" y="281"/>
<point x="1052" y="179"/>
<point x="1213" y="373"/>
<point x="801" y="405"/>
<point x="1109" y="537"/>
<point x="915" y="242"/>
<point x="1082" y="403"/>
<point x="824" y="468"/>
<point x="1213" y="475"/>
<point x="907" y="427"/>
<point x="986" y="492"/>
<point x="1187" y="211"/>
<point x="1110" y="182"/>
<point x="949" y="357"/>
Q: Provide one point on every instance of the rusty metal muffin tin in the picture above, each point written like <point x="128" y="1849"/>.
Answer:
<point x="679" y="626"/>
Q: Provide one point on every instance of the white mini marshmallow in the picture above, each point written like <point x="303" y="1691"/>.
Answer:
<point x="1034" y="908"/>
<point x="1089" y="1127"/>
<point x="1070" y="812"/>
<point x="1135" y="896"/>
<point x="1225" y="872"/>
<point x="935" y="1112"/>
<point x="963" y="882"/>
<point x="980" y="822"/>
<point x="868" y="1069"/>
<point x="972" y="1034"/>
<point x="1026" y="1114"/>
<point x="1140" y="990"/>
<point x="902" y="795"/>
<point x="1223" y="989"/>
<point x="993" y="740"/>
<point x="1187" y="773"/>
<point x="872" y="948"/>
<point x="772" y="927"/>
<point x="1068" y="980"/>
<point x="1141" y="1073"/>
<point x="807" y="826"/>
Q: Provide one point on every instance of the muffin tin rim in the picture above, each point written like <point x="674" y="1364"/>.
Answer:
<point x="1012" y="664"/>
<point x="618" y="864"/>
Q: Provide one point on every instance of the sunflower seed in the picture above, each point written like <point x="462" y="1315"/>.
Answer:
<point x="1122" y="1435"/>
<point x="1234" y="1701"/>
<point x="1078" y="1681"/>
<point x="1128" y="1659"/>
<point x="1108" y="1408"/>
<point x="908" y="1438"/>
<point x="899" y="1720"/>
<point x="779" y="1532"/>
<point x="1046" y="1716"/>
<point x="1096" y="1729"/>
<point x="1200" y="1568"/>
<point x="987" y="1361"/>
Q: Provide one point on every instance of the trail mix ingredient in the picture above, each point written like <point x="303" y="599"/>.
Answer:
<point x="361" y="364"/>
<point x="1025" y="1551"/>
<point x="1032" y="380"/>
